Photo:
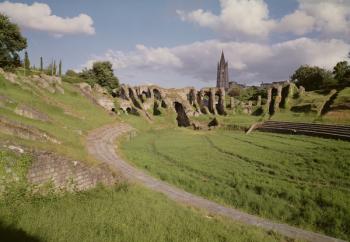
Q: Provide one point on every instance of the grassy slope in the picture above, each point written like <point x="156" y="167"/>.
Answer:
<point x="315" y="99"/>
<point x="70" y="114"/>
<point x="120" y="213"/>
<point x="340" y="116"/>
<point x="300" y="180"/>
<point x="343" y="96"/>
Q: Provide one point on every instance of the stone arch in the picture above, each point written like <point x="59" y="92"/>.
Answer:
<point x="156" y="110"/>
<point x="134" y="98"/>
<point x="182" y="118"/>
<point x="157" y="95"/>
<point x="123" y="92"/>
<point x="205" y="97"/>
<point x="144" y="95"/>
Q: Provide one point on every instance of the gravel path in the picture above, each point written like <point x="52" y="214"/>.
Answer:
<point x="101" y="144"/>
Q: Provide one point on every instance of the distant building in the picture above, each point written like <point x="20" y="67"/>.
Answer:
<point x="222" y="74"/>
<point x="235" y="84"/>
<point x="283" y="83"/>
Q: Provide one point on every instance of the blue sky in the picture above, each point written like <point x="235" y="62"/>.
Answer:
<point x="174" y="43"/>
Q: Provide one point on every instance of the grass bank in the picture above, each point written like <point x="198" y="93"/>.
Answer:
<point x="71" y="116"/>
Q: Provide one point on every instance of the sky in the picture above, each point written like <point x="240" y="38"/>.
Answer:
<point x="177" y="43"/>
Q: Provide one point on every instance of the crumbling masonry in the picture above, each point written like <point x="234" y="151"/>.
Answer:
<point x="186" y="102"/>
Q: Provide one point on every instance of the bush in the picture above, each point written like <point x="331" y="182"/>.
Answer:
<point x="102" y="74"/>
<point x="313" y="78"/>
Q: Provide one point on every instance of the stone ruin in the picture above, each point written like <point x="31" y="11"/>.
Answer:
<point x="279" y="96"/>
<point x="189" y="102"/>
<point x="186" y="102"/>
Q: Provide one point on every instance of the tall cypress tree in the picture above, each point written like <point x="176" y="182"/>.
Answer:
<point x="60" y="68"/>
<point x="54" y="70"/>
<point x="26" y="61"/>
<point x="41" y="64"/>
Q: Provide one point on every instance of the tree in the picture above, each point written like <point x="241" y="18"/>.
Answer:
<point x="60" y="68"/>
<point x="71" y="73"/>
<point x="341" y="72"/>
<point x="41" y="64"/>
<point x="54" y="69"/>
<point x="11" y="42"/>
<point x="26" y="61"/>
<point x="104" y="76"/>
<point x="313" y="78"/>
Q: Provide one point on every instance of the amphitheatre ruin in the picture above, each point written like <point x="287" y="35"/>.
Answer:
<point x="252" y="145"/>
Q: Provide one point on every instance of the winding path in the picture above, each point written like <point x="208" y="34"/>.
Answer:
<point x="101" y="144"/>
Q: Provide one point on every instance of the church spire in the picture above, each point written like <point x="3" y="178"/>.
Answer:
<point x="222" y="74"/>
<point x="222" y="59"/>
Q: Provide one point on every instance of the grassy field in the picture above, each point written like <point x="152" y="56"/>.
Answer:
<point x="121" y="213"/>
<point x="304" y="181"/>
<point x="71" y="117"/>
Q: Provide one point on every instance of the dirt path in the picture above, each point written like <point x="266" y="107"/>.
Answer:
<point x="101" y="144"/>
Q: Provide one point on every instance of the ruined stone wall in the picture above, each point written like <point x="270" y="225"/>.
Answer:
<point x="278" y="98"/>
<point x="153" y="100"/>
<point x="66" y="174"/>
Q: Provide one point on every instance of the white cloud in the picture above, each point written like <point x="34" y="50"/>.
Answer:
<point x="237" y="17"/>
<point x="330" y="16"/>
<point x="248" y="62"/>
<point x="326" y="17"/>
<point x="298" y="22"/>
<point x="38" y="16"/>
<point x="251" y="18"/>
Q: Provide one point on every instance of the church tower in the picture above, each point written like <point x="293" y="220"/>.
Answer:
<point x="222" y="74"/>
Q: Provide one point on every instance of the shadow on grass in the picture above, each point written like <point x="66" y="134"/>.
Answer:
<point x="9" y="233"/>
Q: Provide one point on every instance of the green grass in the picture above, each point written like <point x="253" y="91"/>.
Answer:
<point x="343" y="97"/>
<point x="71" y="115"/>
<point x="120" y="213"/>
<point x="303" y="181"/>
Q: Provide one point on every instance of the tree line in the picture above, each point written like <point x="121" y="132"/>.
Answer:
<point x="51" y="69"/>
<point x="315" y="78"/>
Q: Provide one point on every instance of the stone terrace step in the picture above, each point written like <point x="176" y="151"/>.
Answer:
<point x="321" y="130"/>
<point x="309" y="124"/>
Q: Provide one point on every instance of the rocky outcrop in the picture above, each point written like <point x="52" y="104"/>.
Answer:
<point x="98" y="95"/>
<point x="52" y="84"/>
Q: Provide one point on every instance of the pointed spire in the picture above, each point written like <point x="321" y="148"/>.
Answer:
<point x="222" y="59"/>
